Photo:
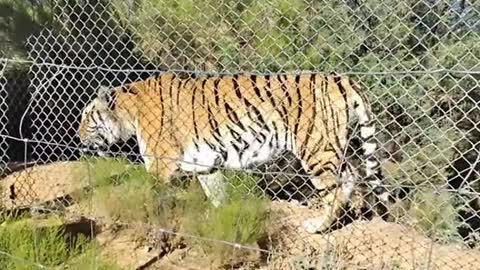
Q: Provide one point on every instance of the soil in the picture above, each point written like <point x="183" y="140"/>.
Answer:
<point x="373" y="244"/>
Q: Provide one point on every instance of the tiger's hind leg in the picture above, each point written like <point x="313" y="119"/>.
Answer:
<point x="332" y="202"/>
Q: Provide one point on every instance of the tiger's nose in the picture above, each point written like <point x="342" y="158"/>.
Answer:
<point x="88" y="148"/>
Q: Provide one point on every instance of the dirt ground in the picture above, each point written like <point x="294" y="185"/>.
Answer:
<point x="372" y="244"/>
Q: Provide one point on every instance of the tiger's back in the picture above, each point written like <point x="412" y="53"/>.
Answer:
<point x="306" y="113"/>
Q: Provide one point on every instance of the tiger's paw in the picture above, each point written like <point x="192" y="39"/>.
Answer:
<point x="316" y="225"/>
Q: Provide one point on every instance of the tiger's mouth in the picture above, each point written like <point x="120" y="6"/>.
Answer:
<point x="95" y="151"/>
<point x="94" y="146"/>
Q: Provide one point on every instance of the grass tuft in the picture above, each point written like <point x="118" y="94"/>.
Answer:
<point x="132" y="195"/>
<point x="27" y="246"/>
<point x="433" y="213"/>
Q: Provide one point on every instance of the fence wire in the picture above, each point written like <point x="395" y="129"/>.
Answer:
<point x="416" y="62"/>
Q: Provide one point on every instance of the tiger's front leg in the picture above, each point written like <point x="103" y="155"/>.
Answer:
<point x="204" y="163"/>
<point x="213" y="184"/>
<point x="215" y="187"/>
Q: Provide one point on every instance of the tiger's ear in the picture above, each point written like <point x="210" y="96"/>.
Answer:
<point x="106" y="95"/>
<point x="130" y="90"/>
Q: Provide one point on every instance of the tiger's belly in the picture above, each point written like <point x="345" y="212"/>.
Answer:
<point x="233" y="153"/>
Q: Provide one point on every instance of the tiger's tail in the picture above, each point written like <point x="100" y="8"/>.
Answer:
<point x="373" y="175"/>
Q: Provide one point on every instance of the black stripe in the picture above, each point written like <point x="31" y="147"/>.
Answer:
<point x="331" y="107"/>
<point x="284" y="88"/>
<point x="253" y="80"/>
<point x="314" y="149"/>
<point x="338" y="81"/>
<point x="299" y="95"/>
<point x="162" y="106"/>
<point x="258" y="119"/>
<point x="204" y="101"/>
<point x="275" y="132"/>
<point x="216" y="131"/>
<point x="236" y="147"/>
<point x="374" y="168"/>
<point x="171" y="86"/>
<point x="311" y="125"/>
<point x="370" y="122"/>
<point x="215" y="90"/>
<point x="195" y="128"/>
<point x="270" y="96"/>
<point x="203" y="94"/>
<point x="357" y="90"/>
<point x="233" y="117"/>
<point x="179" y="86"/>
<point x="284" y="113"/>
<point x="102" y="136"/>
<point x="238" y="138"/>
<point x="112" y="100"/>
<point x="211" y="145"/>
<point x="234" y="133"/>
<point x="127" y="89"/>
<point x="365" y="139"/>
<point x="331" y="148"/>
<point x="355" y="104"/>
<point x="267" y="89"/>
<point x="326" y="167"/>
<point x="258" y="134"/>
<point x="236" y="87"/>
<point x="100" y="118"/>
<point x="213" y="122"/>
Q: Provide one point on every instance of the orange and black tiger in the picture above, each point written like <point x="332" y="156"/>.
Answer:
<point x="200" y="124"/>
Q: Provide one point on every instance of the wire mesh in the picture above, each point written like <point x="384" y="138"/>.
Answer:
<point x="416" y="62"/>
<point x="3" y="120"/>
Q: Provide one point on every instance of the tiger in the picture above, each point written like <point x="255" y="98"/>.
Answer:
<point x="199" y="124"/>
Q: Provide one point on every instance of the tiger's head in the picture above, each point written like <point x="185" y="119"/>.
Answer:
<point x="107" y="119"/>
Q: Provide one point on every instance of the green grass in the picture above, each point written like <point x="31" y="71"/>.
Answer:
<point x="242" y="220"/>
<point x="433" y="213"/>
<point x="26" y="246"/>
<point x="132" y="196"/>
<point x="101" y="171"/>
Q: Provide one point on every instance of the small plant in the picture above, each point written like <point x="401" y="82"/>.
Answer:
<point x="242" y="220"/>
<point x="101" y="171"/>
<point x="130" y="196"/>
<point x="433" y="213"/>
<point x="241" y="185"/>
<point x="27" y="246"/>
<point x="126" y="193"/>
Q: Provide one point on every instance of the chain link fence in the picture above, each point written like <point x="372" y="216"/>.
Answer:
<point x="417" y="62"/>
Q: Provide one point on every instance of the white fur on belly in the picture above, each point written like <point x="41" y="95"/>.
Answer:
<point x="203" y="158"/>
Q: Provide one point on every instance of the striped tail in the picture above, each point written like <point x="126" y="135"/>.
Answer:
<point x="373" y="175"/>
